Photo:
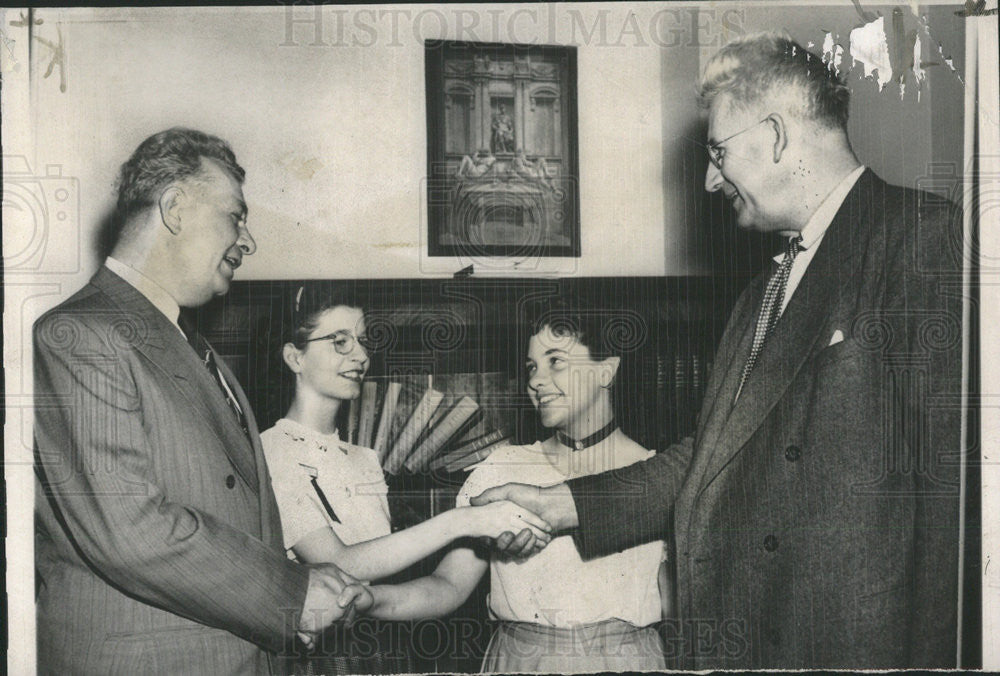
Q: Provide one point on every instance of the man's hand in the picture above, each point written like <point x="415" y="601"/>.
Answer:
<point x="328" y="586"/>
<point x="358" y="596"/>
<point x="554" y="504"/>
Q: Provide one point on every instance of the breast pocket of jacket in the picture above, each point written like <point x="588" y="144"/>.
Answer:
<point x="839" y="352"/>
<point x="846" y="381"/>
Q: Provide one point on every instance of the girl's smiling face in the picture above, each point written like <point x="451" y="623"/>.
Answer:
<point x="333" y="362"/>
<point x="565" y="383"/>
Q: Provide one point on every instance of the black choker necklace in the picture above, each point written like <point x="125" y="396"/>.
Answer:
<point x="588" y="441"/>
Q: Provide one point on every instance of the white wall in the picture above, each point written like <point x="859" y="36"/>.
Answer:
<point x="328" y="117"/>
<point x="333" y="137"/>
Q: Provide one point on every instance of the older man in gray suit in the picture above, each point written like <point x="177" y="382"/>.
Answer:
<point x="158" y="546"/>
<point x="816" y="512"/>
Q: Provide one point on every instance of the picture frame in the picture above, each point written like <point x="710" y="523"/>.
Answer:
<point x="502" y="150"/>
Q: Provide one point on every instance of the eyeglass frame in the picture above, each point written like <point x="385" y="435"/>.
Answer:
<point x="715" y="147"/>
<point x="363" y="341"/>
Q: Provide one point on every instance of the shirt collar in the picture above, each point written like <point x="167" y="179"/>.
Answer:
<point x="300" y="432"/>
<point x="821" y="219"/>
<point x="154" y="293"/>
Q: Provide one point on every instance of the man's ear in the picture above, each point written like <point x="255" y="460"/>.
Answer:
<point x="171" y="204"/>
<point x="609" y="371"/>
<point x="777" y="124"/>
<point x="292" y="357"/>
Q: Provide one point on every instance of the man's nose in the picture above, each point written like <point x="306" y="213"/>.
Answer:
<point x="713" y="178"/>
<point x="246" y="242"/>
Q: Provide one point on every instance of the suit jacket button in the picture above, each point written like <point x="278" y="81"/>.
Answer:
<point x="230" y="481"/>
<point x="793" y="453"/>
<point x="770" y="543"/>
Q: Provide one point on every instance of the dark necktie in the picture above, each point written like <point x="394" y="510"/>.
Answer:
<point x="770" y="309"/>
<point x="204" y="352"/>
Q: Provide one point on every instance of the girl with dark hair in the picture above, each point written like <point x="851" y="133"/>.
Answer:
<point x="332" y="495"/>
<point x="556" y="612"/>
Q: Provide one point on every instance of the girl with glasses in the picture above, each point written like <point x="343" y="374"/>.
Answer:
<point x="332" y="495"/>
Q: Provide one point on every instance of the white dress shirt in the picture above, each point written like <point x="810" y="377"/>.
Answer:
<point x="812" y="233"/>
<point x="556" y="587"/>
<point x="349" y="476"/>
<point x="153" y="292"/>
<point x="165" y="303"/>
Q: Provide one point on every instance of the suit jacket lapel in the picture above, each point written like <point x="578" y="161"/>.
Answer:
<point x="270" y="525"/>
<point x="733" y="348"/>
<point x="729" y="366"/>
<point x="795" y="335"/>
<point x="159" y="340"/>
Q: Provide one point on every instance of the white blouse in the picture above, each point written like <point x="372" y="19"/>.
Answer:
<point x="556" y="587"/>
<point x="348" y="476"/>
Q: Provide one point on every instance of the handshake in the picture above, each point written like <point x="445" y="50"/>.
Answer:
<point x="330" y="596"/>
<point x="554" y="505"/>
<point x="334" y="595"/>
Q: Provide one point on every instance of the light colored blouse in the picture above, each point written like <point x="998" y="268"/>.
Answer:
<point x="348" y="476"/>
<point x="556" y="587"/>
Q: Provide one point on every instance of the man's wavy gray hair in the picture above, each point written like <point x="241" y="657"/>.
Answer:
<point x="171" y="155"/>
<point x="764" y="66"/>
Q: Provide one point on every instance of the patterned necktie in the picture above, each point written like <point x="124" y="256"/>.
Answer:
<point x="209" y="360"/>
<point x="204" y="352"/>
<point x="770" y="309"/>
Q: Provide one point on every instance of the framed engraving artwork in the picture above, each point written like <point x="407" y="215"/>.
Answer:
<point x="502" y="164"/>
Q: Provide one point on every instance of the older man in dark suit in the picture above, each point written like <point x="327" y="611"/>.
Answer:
<point x="816" y="512"/>
<point x="158" y="544"/>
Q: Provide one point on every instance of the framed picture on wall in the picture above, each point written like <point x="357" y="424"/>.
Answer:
<point x="502" y="153"/>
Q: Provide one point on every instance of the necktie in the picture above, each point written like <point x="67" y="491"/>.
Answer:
<point x="770" y="309"/>
<point x="213" y="368"/>
<point x="204" y="352"/>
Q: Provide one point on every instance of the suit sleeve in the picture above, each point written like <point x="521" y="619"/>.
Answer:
<point x="629" y="506"/>
<point x="95" y="466"/>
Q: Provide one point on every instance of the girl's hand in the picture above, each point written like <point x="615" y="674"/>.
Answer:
<point x="504" y="516"/>
<point x="358" y="594"/>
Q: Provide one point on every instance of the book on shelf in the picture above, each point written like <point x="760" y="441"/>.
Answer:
<point x="422" y="418"/>
<point x="467" y="449"/>
<point x="440" y="433"/>
<point x="661" y="382"/>
<point x="447" y="401"/>
<point x="366" y="419"/>
<point x="414" y="388"/>
<point x="475" y="428"/>
<point x="389" y="400"/>
<point x="495" y="397"/>
<point x="468" y="461"/>
<point x="416" y="424"/>
<point x="697" y="378"/>
<point x="681" y="381"/>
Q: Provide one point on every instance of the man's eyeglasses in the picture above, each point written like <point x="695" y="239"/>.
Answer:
<point x="343" y="342"/>
<point x="716" y="153"/>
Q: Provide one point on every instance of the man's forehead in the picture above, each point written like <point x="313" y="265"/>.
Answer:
<point x="224" y="183"/>
<point x="715" y="114"/>
<point x="724" y="118"/>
